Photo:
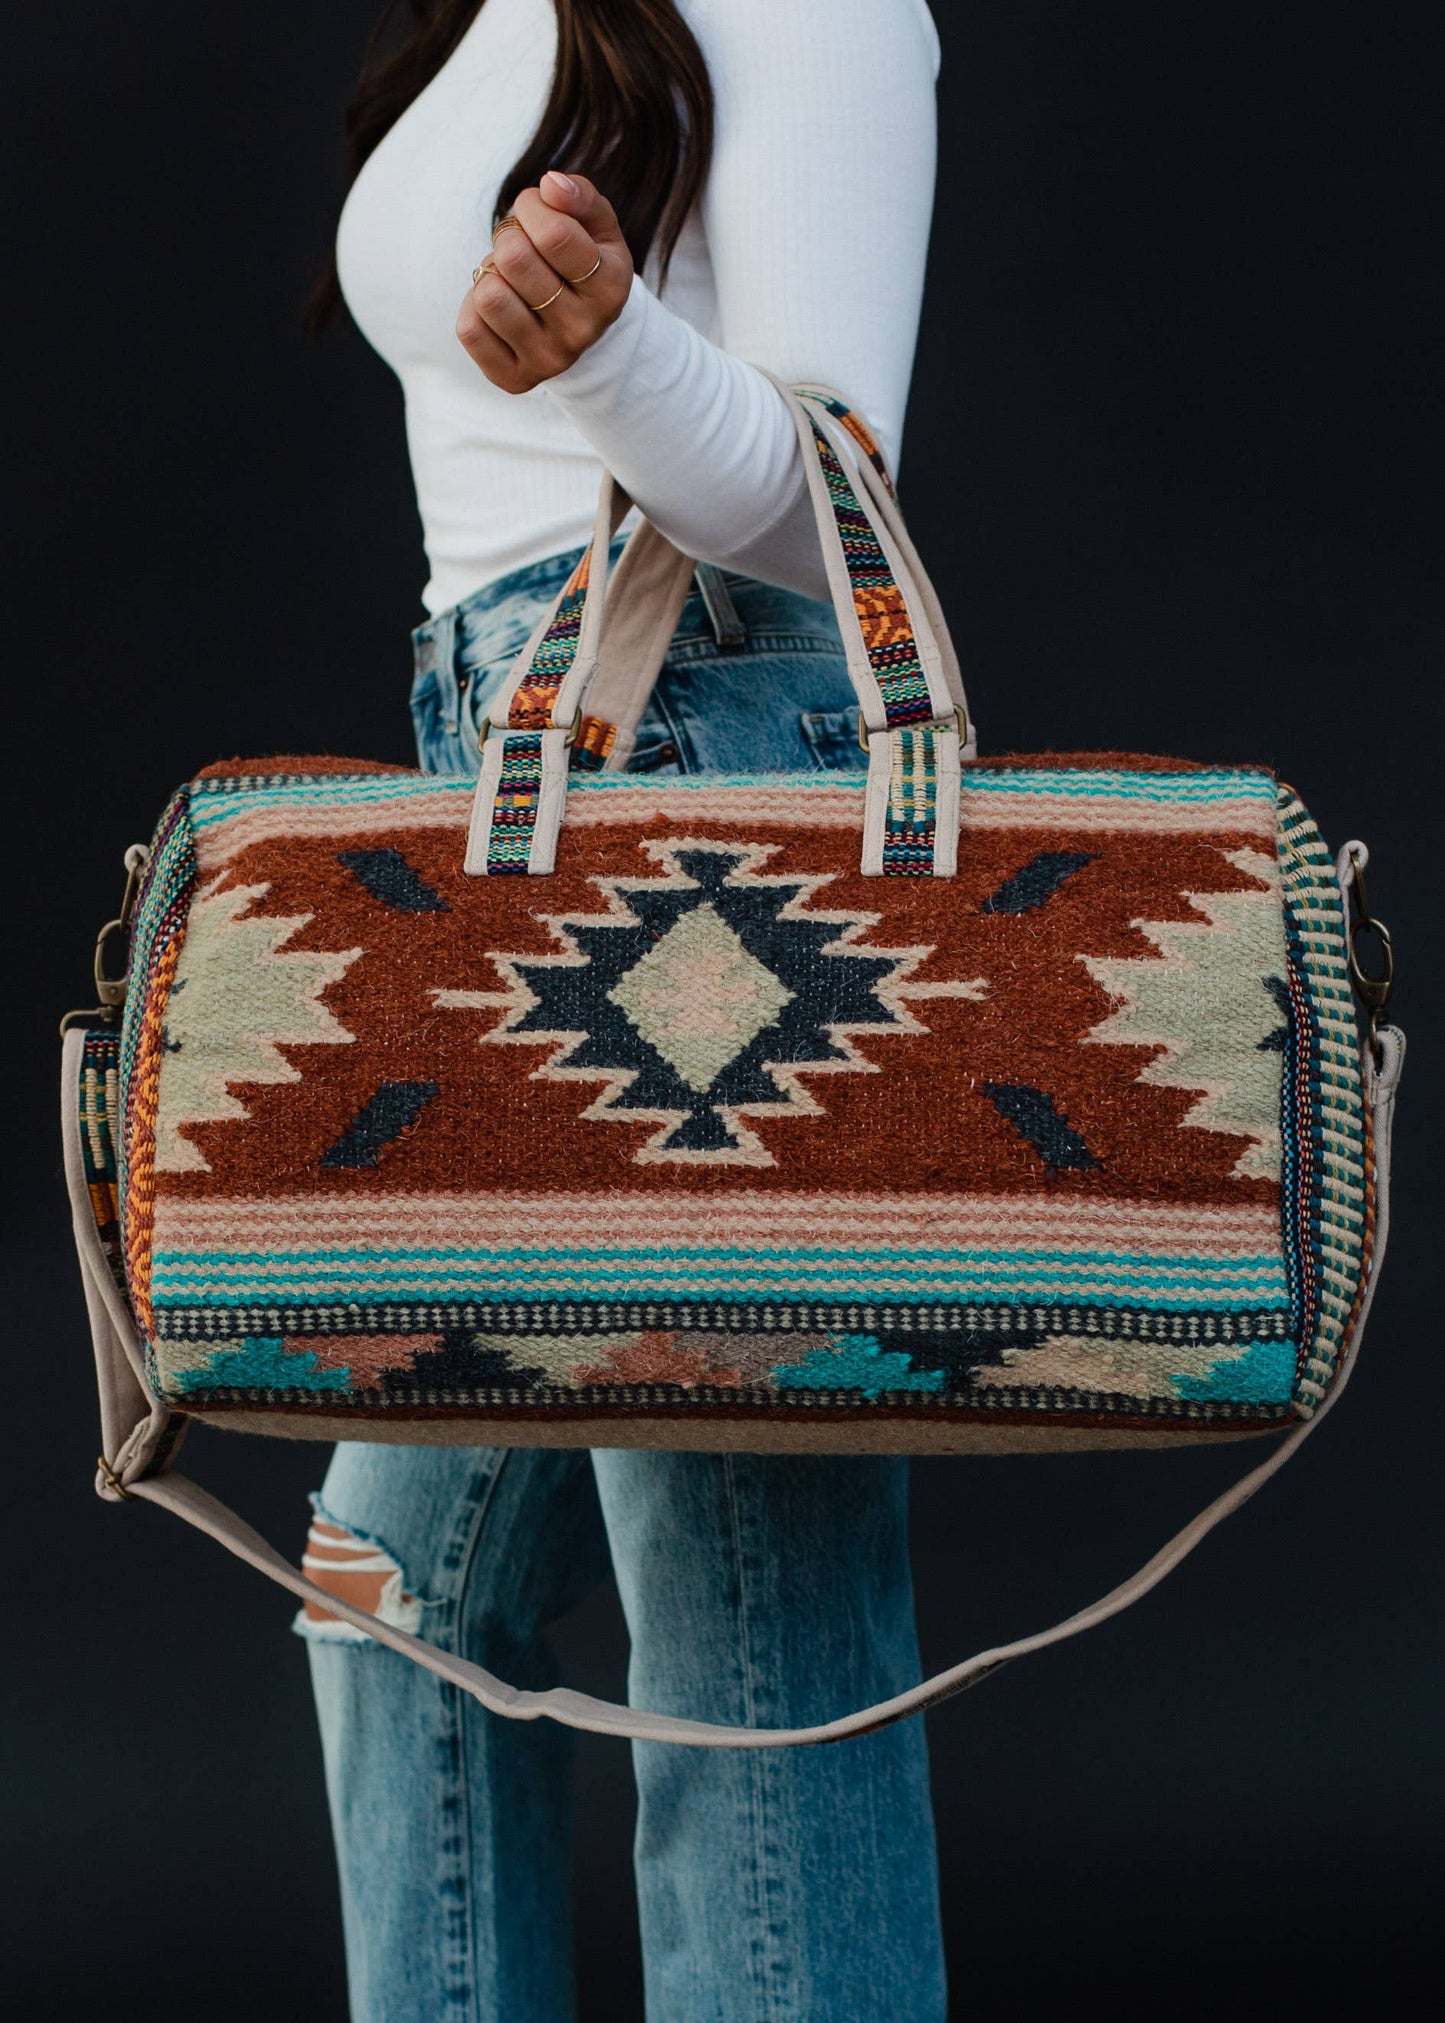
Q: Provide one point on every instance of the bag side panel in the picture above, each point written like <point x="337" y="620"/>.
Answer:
<point x="162" y="911"/>
<point x="1326" y="1201"/>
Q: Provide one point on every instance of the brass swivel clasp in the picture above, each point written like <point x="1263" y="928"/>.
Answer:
<point x="1374" y="986"/>
<point x="109" y="989"/>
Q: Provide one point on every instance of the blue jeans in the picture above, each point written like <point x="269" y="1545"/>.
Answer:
<point x="796" y="1884"/>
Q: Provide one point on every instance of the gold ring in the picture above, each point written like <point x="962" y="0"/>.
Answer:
<point x="487" y="266"/>
<point x="588" y="275"/>
<point x="537" y="307"/>
<point x="502" y="224"/>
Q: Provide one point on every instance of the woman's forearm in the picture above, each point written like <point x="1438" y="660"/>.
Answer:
<point x="817" y="213"/>
<point x="701" y="440"/>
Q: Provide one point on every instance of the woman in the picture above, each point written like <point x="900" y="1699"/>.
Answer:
<point x="768" y="165"/>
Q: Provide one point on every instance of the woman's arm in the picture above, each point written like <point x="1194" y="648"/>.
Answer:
<point x="816" y="212"/>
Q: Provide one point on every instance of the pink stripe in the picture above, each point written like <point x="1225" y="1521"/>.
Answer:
<point x="217" y="845"/>
<point x="738" y="807"/>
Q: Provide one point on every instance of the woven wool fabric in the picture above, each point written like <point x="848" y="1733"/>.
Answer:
<point x="707" y="1122"/>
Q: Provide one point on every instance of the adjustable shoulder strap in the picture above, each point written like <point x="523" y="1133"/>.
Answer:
<point x="118" y="1356"/>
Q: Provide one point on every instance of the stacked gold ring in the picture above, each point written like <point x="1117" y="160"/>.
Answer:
<point x="489" y="266"/>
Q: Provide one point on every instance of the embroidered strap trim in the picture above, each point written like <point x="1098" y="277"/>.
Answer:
<point x="515" y="803"/>
<point x="910" y="826"/>
<point x="99" y="1136"/>
<point x="878" y="602"/>
<point x="593" y="744"/>
<point x="537" y="691"/>
<point x="856" y="428"/>
<point x="520" y="765"/>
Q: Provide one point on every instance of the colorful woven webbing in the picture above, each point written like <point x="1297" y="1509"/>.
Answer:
<point x="877" y="600"/>
<point x="908" y="835"/>
<point x="593" y="744"/>
<point x="514" y="811"/>
<point x="856" y="428"/>
<point x="552" y="662"/>
<point x="99" y="1137"/>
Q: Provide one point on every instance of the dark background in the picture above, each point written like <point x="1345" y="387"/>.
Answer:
<point x="1173" y="459"/>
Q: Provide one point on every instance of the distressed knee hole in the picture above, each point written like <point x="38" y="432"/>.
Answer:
<point x="356" y="1568"/>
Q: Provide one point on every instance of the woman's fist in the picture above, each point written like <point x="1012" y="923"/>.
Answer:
<point x="557" y="275"/>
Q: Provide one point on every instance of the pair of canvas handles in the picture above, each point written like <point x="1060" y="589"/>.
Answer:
<point x="139" y="1436"/>
<point x="592" y="673"/>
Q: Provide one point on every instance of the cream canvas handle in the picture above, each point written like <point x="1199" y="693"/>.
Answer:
<point x="588" y="677"/>
<point x="138" y="1430"/>
<point x="651" y="581"/>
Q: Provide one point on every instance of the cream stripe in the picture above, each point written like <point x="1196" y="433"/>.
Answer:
<point x="1103" y="817"/>
<point x="739" y="806"/>
<point x="559" y="1221"/>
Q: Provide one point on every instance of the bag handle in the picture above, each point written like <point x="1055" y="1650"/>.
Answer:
<point x="138" y="1469"/>
<point x="638" y="621"/>
<point x="913" y="713"/>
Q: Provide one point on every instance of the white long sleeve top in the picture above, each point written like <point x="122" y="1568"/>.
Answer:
<point x="805" y="255"/>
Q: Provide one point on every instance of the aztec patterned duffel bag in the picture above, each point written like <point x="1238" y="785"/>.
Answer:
<point x="951" y="1105"/>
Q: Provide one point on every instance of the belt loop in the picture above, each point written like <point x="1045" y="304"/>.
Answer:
<point x="728" y="628"/>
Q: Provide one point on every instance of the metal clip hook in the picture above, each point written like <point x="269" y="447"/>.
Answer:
<point x="111" y="989"/>
<point x="1374" y="989"/>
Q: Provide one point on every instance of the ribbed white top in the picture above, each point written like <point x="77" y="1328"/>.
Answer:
<point x="805" y="255"/>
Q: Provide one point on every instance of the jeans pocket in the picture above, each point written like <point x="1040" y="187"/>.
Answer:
<point x="453" y="746"/>
<point x="831" y="735"/>
<point x="479" y="684"/>
<point x="438" y="748"/>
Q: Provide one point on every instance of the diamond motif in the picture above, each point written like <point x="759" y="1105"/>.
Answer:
<point x="703" y="997"/>
<point x="699" y="997"/>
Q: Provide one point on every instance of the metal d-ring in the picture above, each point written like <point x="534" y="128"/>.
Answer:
<point x="112" y="1481"/>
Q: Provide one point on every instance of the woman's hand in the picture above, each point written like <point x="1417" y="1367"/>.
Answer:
<point x="556" y="277"/>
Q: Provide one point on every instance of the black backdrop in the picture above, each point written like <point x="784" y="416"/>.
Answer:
<point x="1170" y="460"/>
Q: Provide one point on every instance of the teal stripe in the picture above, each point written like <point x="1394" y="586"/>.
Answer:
<point x="390" y="1283"/>
<point x="802" y="1255"/>
<point x="1091" y="786"/>
<point x="209" y="809"/>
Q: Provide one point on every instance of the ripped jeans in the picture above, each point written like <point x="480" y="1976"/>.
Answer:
<point x="779" y="1886"/>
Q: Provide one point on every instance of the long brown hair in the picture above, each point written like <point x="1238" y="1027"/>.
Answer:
<point x="630" y="106"/>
